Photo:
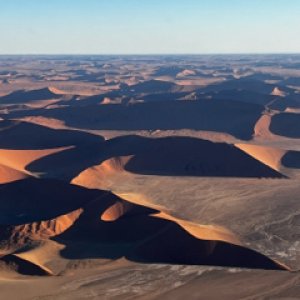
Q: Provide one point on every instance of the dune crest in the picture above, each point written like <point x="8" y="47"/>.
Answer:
<point x="262" y="127"/>
<point x="267" y="155"/>
<point x="44" y="229"/>
<point x="278" y="92"/>
<point x="19" y="159"/>
<point x="8" y="174"/>
<point x="100" y="176"/>
<point x="116" y="211"/>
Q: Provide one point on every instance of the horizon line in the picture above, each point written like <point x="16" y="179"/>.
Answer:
<point x="150" y="54"/>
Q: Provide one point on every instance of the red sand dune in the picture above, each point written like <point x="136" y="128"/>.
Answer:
<point x="267" y="155"/>
<point x="8" y="174"/>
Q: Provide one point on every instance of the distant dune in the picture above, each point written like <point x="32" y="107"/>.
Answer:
<point x="41" y="97"/>
<point x="235" y="118"/>
<point x="278" y="92"/>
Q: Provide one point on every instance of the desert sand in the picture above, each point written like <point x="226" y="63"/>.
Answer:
<point x="149" y="177"/>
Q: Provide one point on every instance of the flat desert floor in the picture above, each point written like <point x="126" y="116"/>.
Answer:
<point x="150" y="177"/>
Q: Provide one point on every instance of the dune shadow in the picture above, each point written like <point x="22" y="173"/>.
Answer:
<point x="144" y="238"/>
<point x="31" y="200"/>
<point x="170" y="156"/>
<point x="185" y="156"/>
<point x="291" y="159"/>
<point x="232" y="117"/>
<point x="19" y="97"/>
<point x="286" y="124"/>
<point x="22" y="266"/>
<point x="18" y="135"/>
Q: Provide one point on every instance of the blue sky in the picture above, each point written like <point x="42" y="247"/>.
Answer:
<point x="149" y="26"/>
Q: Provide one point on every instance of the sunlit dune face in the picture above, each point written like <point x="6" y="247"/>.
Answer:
<point x="269" y="156"/>
<point x="278" y="92"/>
<point x="19" y="159"/>
<point x="8" y="174"/>
<point x="115" y="211"/>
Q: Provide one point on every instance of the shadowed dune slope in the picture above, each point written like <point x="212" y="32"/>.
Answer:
<point x="291" y="159"/>
<point x="107" y="227"/>
<point x="188" y="156"/>
<point x="27" y="136"/>
<point x="146" y="238"/>
<point x="18" y="159"/>
<point x="232" y="117"/>
<point x="23" y="96"/>
<point x="22" y="266"/>
<point x="181" y="156"/>
<point x="41" y="199"/>
<point x="174" y="156"/>
<point x="286" y="124"/>
<point x="164" y="248"/>
<point x="177" y="156"/>
<point x="46" y="152"/>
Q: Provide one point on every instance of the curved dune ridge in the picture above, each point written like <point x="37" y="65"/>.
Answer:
<point x="129" y="230"/>
<point x="20" y="135"/>
<point x="33" y="98"/>
<point x="56" y="90"/>
<point x="277" y="92"/>
<point x="19" y="159"/>
<point x="43" y="229"/>
<point x="262" y="127"/>
<point x="8" y="174"/>
<point x="24" y="266"/>
<point x="182" y="156"/>
<point x="116" y="211"/>
<point x="46" y="122"/>
<point x="267" y="155"/>
<point x="101" y="175"/>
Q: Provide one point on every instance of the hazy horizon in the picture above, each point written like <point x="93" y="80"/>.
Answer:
<point x="134" y="27"/>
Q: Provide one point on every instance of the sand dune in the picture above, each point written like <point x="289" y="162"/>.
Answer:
<point x="193" y="157"/>
<point x="17" y="135"/>
<point x="19" y="159"/>
<point x="8" y="174"/>
<point x="292" y="110"/>
<point x="235" y="118"/>
<point x="116" y="211"/>
<point x="179" y="156"/>
<point x="109" y="219"/>
<point x="42" y="199"/>
<point x="278" y="92"/>
<point x="21" y="235"/>
<point x="185" y="73"/>
<point x="267" y="155"/>
<point x="23" y="266"/>
<point x="34" y="98"/>
<point x="148" y="233"/>
<point x="114" y="168"/>
<point x="101" y="175"/>
<point x="262" y="127"/>
<point x="56" y="91"/>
